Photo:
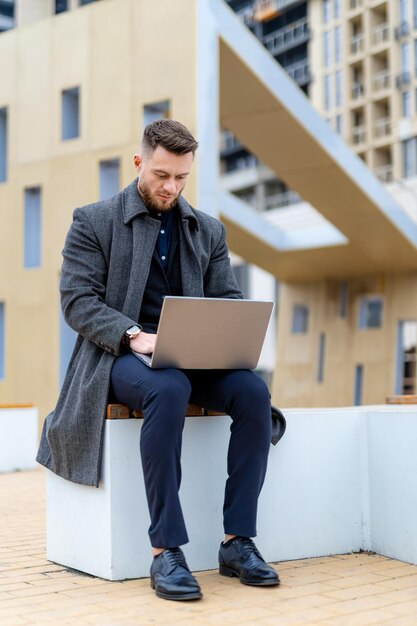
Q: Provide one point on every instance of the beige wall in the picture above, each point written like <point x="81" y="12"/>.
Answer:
<point x="295" y="380"/>
<point x="122" y="54"/>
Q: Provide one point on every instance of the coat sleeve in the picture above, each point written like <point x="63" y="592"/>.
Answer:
<point x="83" y="288"/>
<point x="219" y="280"/>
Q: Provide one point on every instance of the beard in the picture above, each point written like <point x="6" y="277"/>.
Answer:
<point x="151" y="202"/>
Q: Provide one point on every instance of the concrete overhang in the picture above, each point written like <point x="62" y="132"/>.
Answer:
<point x="273" y="118"/>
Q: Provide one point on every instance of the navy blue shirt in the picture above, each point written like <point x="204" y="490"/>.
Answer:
<point x="165" y="232"/>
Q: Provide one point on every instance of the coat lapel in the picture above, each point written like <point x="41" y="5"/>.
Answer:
<point x="144" y="235"/>
<point x="191" y="273"/>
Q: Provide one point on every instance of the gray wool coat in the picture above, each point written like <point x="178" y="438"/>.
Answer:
<point x="107" y="257"/>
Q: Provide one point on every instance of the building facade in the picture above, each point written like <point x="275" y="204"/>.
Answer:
<point x="351" y="341"/>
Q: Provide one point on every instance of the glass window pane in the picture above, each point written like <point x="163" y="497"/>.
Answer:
<point x="156" y="111"/>
<point x="70" y="113"/>
<point x="109" y="178"/>
<point x="299" y="319"/>
<point x="3" y="145"/>
<point x="32" y="227"/>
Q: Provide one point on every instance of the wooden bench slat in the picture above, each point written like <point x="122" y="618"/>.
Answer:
<point x="16" y="406"/>
<point x="121" y="411"/>
<point x="402" y="399"/>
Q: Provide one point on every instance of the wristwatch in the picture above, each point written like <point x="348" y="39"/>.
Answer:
<point x="131" y="333"/>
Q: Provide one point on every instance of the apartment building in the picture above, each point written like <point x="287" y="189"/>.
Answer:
<point x="353" y="340"/>
<point x="70" y="119"/>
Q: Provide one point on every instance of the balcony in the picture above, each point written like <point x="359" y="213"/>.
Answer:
<point x="403" y="79"/>
<point x="357" y="44"/>
<point x="280" y="200"/>
<point x="385" y="173"/>
<point x="359" y="134"/>
<point x="381" y="80"/>
<point x="288" y="37"/>
<point x="299" y="72"/>
<point x="357" y="91"/>
<point x="265" y="10"/>
<point x="403" y="30"/>
<point x="382" y="127"/>
<point x="380" y="34"/>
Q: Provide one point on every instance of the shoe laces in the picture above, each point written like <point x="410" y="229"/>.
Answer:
<point x="175" y="557"/>
<point x="248" y="548"/>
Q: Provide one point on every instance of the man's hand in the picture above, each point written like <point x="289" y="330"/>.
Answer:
<point x="143" y="343"/>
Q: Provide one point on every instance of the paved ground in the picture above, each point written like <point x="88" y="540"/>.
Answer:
<point x="354" y="589"/>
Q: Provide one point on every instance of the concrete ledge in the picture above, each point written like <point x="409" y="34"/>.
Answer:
<point x="341" y="480"/>
<point x="19" y="438"/>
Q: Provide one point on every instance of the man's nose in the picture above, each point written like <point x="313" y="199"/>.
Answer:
<point x="170" y="186"/>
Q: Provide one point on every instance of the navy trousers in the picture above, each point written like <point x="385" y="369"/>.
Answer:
<point x="163" y="395"/>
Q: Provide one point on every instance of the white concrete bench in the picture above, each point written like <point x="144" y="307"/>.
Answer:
<point x="19" y="437"/>
<point x="341" y="480"/>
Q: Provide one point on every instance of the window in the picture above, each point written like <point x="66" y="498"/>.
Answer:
<point x="82" y="2"/>
<point x="357" y="393"/>
<point x="241" y="273"/>
<point x="370" y="312"/>
<point x="415" y="56"/>
<point x="326" y="11"/>
<point x="327" y="92"/>
<point x="299" y="319"/>
<point x="109" y="178"/>
<point x="409" y="148"/>
<point x="336" y="9"/>
<point x="406" y="357"/>
<point x="326" y="48"/>
<point x="338" y="85"/>
<point x="32" y="227"/>
<point x="156" y="111"/>
<point x="406" y="103"/>
<point x="338" y="44"/>
<point x="2" y="333"/>
<point x="61" y="6"/>
<point x="343" y="299"/>
<point x="339" y="124"/>
<point x="405" y="57"/>
<point x="403" y="10"/>
<point x="322" y="348"/>
<point x="70" y="113"/>
<point x="3" y="145"/>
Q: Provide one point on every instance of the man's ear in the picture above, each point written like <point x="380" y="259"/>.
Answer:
<point x="137" y="160"/>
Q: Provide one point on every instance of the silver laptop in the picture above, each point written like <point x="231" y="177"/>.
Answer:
<point x="209" y="333"/>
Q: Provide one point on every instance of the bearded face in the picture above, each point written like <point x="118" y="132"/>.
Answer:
<point x="162" y="177"/>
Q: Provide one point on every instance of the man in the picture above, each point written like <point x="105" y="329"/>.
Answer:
<point x="121" y="257"/>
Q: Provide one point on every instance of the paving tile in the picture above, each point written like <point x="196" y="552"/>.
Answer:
<point x="351" y="589"/>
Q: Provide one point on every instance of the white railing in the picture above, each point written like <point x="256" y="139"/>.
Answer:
<point x="359" y="134"/>
<point x="381" y="80"/>
<point x="357" y="90"/>
<point x="382" y="127"/>
<point x="357" y="44"/>
<point x="380" y="34"/>
<point x="299" y="71"/>
<point x="385" y="173"/>
<point x="286" y="36"/>
<point x="282" y="199"/>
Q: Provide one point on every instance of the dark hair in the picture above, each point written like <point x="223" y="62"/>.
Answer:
<point x="169" y="134"/>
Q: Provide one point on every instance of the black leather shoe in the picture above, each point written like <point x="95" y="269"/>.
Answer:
<point x="171" y="578"/>
<point x="240" y="557"/>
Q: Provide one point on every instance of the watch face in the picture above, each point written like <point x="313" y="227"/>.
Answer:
<point x="133" y="331"/>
